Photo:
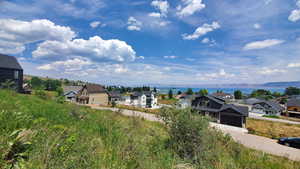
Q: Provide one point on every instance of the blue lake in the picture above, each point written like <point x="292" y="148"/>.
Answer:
<point x="165" y="90"/>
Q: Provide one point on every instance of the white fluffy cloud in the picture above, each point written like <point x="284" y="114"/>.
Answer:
<point x="170" y="57"/>
<point x="269" y="71"/>
<point x="262" y="44"/>
<point x="202" y="30"/>
<point x="218" y="75"/>
<point x="162" y="6"/>
<point x="154" y="14"/>
<point x="15" y="34"/>
<point x="96" y="24"/>
<point x="70" y="65"/>
<point x="257" y="26"/>
<point x="210" y="42"/>
<point x="190" y="7"/>
<point x="134" y="24"/>
<point x="295" y="15"/>
<point x="293" y="65"/>
<point x="94" y="48"/>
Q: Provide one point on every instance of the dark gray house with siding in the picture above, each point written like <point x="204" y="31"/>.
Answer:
<point x="11" y="70"/>
<point x="221" y="112"/>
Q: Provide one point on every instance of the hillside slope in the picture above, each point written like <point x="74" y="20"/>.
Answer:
<point x="67" y="136"/>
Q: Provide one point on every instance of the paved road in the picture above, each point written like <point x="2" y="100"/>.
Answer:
<point x="239" y="135"/>
<point x="255" y="116"/>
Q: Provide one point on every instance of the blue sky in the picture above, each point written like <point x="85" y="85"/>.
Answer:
<point x="136" y="42"/>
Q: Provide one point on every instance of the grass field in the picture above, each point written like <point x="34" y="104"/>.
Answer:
<point x="37" y="133"/>
<point x="272" y="129"/>
<point x="167" y="101"/>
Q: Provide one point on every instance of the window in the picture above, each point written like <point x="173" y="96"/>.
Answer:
<point x="16" y="74"/>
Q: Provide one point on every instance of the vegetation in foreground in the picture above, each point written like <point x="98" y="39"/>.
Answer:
<point x="272" y="129"/>
<point x="39" y="133"/>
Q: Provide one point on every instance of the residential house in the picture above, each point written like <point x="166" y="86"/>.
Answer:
<point x="251" y="101"/>
<point x="144" y="99"/>
<point x="70" y="92"/>
<point x="93" y="94"/>
<point x="10" y="70"/>
<point x="114" y="96"/>
<point x="185" y="101"/>
<point x="225" y="96"/>
<point x="267" y="108"/>
<point x="293" y="107"/>
<point x="221" y="112"/>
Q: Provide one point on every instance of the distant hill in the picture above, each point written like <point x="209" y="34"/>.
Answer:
<point x="282" y="84"/>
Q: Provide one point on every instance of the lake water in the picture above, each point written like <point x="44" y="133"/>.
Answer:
<point x="165" y="90"/>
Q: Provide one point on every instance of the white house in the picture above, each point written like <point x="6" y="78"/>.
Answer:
<point x="144" y="99"/>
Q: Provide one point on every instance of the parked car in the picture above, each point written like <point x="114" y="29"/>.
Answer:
<point x="290" y="141"/>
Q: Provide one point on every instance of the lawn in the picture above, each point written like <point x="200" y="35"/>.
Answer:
<point x="272" y="129"/>
<point x="167" y="101"/>
<point x="41" y="133"/>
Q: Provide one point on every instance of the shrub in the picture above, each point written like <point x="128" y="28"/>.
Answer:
<point x="190" y="135"/>
<point x="41" y="94"/>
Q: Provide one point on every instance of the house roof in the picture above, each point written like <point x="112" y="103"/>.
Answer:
<point x="272" y="104"/>
<point x="221" y="94"/>
<point x="68" y="89"/>
<point x="293" y="103"/>
<point x="147" y="93"/>
<point x="95" y="88"/>
<point x="243" y="110"/>
<point x="114" y="94"/>
<point x="9" y="62"/>
<point x="216" y="99"/>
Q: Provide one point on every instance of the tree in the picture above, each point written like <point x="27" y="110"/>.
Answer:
<point x="170" y="94"/>
<point x="36" y="83"/>
<point x="238" y="94"/>
<point x="203" y="92"/>
<point x="260" y="93"/>
<point x="189" y="91"/>
<point x="155" y="90"/>
<point x="276" y="94"/>
<point x="292" y="91"/>
<point x="179" y="92"/>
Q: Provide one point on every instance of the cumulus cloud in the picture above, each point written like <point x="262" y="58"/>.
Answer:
<point x="293" y="65"/>
<point x="189" y="7"/>
<point x="257" y="26"/>
<point x="96" y="24"/>
<point x="202" y="30"/>
<point x="218" y="75"/>
<point x="134" y="24"/>
<point x="70" y="65"/>
<point x="95" y="48"/>
<point x="170" y="57"/>
<point x="295" y="14"/>
<point x="269" y="71"/>
<point x="15" y="34"/>
<point x="154" y="14"/>
<point x="262" y="44"/>
<point x="162" y="6"/>
<point x="210" y="42"/>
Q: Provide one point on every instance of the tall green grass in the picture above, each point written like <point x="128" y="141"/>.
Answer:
<point x="66" y="136"/>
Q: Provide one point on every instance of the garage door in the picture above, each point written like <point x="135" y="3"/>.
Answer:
<point x="231" y="120"/>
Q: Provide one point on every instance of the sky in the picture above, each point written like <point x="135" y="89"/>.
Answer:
<point x="144" y="42"/>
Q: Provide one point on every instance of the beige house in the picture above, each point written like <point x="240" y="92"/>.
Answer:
<point x="93" y="94"/>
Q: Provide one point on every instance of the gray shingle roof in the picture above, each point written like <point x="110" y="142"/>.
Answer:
<point x="9" y="62"/>
<point x="243" y="110"/>
<point x="68" y="89"/>
<point x="293" y="103"/>
<point x="275" y="106"/>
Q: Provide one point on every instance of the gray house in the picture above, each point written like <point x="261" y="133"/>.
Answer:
<point x="70" y="92"/>
<point x="11" y="70"/>
<point x="267" y="108"/>
<point x="221" y="112"/>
